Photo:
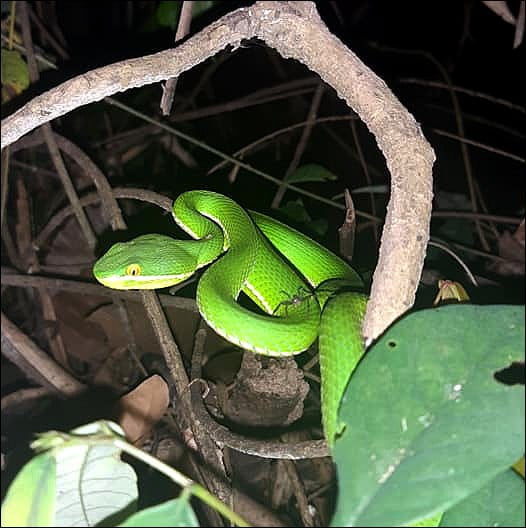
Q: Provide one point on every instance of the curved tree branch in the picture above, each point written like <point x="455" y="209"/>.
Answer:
<point x="296" y="31"/>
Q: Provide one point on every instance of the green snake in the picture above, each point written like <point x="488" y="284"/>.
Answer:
<point x="295" y="282"/>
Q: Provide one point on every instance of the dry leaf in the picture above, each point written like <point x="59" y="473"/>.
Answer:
<point x="511" y="247"/>
<point x="143" y="407"/>
<point x="501" y="8"/>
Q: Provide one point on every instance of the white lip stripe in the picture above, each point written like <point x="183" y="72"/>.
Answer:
<point x="142" y="278"/>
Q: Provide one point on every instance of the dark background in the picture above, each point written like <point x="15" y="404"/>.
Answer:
<point x="397" y="40"/>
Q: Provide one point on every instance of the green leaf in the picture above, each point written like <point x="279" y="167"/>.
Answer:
<point x="427" y="422"/>
<point x="319" y="227"/>
<point x="176" y="512"/>
<point x="15" y="74"/>
<point x="167" y="13"/>
<point x="295" y="211"/>
<point x="519" y="466"/>
<point x="311" y="173"/>
<point x="200" y="6"/>
<point x="429" y="522"/>
<point x="30" y="499"/>
<point x="374" y="189"/>
<point x="499" y="503"/>
<point x="93" y="485"/>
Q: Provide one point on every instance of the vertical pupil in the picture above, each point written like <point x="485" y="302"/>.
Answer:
<point x="133" y="269"/>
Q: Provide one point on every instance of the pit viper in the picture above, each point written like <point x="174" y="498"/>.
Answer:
<point x="303" y="291"/>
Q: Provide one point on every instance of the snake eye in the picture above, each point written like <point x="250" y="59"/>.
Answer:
<point x="133" y="269"/>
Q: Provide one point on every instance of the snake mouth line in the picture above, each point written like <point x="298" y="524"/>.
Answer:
<point x="142" y="281"/>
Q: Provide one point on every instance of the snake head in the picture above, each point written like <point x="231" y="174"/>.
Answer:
<point x="145" y="263"/>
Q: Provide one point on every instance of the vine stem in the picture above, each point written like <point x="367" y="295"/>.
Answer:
<point x="183" y="481"/>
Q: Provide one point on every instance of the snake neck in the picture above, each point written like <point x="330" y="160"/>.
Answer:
<point x="222" y="225"/>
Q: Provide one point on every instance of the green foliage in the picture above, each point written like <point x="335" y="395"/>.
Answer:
<point x="427" y="422"/>
<point x="167" y="14"/>
<point x="432" y="521"/>
<point x="73" y="483"/>
<point x="30" y="500"/>
<point x="15" y="75"/>
<point x="295" y="211"/>
<point x="429" y="429"/>
<point x="79" y="480"/>
<point x="176" y="512"/>
<point x="499" y="503"/>
<point x="93" y="485"/>
<point x="201" y="6"/>
<point x="311" y="172"/>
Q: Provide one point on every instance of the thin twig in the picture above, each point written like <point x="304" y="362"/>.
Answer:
<point x="242" y="164"/>
<point x="246" y="101"/>
<point x="11" y="277"/>
<point x="461" y="89"/>
<point x="110" y="208"/>
<point x="478" y="119"/>
<point x="480" y="145"/>
<point x="299" y="492"/>
<point x="300" y="147"/>
<point x="367" y="174"/>
<point x="69" y="188"/>
<point x="47" y="35"/>
<point x="36" y="363"/>
<point x="183" y="28"/>
<point x="474" y="251"/>
<point x="94" y="198"/>
<point x="28" y="253"/>
<point x="460" y="128"/>
<point x="464" y="266"/>
<point x="174" y="362"/>
<point x="481" y="216"/>
<point x="10" y="249"/>
<point x="207" y="445"/>
<point x="263" y="139"/>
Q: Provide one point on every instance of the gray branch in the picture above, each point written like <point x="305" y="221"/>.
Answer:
<point x="296" y="31"/>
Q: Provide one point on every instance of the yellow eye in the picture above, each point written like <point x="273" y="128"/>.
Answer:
<point x="133" y="269"/>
